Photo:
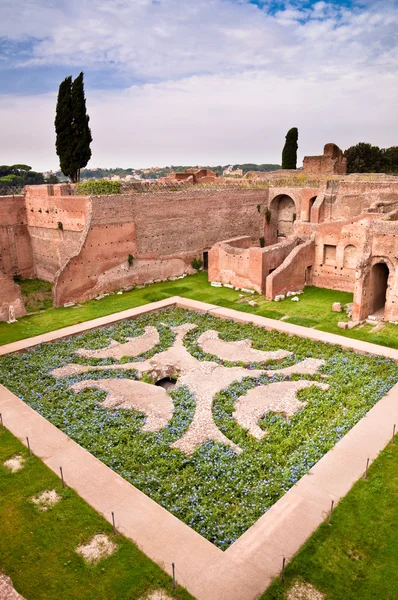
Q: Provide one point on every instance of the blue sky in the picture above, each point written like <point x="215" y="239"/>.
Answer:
<point x="204" y="81"/>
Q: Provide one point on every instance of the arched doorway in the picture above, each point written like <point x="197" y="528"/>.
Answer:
<point x="378" y="289"/>
<point x="310" y="205"/>
<point x="286" y="215"/>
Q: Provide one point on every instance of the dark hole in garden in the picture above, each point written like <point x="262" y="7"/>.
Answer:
<point x="168" y="383"/>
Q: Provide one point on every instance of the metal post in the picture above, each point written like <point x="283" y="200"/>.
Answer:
<point x="30" y="451"/>
<point x="331" y="512"/>
<point x="174" y="575"/>
<point x="283" y="569"/>
<point x="393" y="433"/>
<point x="366" y="470"/>
<point x="114" y="525"/>
<point x="62" y="477"/>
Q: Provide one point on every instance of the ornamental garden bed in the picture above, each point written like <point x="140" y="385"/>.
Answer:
<point x="243" y="424"/>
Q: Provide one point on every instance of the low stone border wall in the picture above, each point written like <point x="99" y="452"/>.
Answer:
<point x="246" y="569"/>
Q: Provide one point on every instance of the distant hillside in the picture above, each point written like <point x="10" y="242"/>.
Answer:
<point x="156" y="172"/>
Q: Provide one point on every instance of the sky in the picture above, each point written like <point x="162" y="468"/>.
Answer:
<point x="199" y="81"/>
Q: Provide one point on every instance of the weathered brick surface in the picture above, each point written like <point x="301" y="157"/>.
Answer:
<point x="83" y="244"/>
<point x="15" y="244"/>
<point x="10" y="295"/>
<point x="163" y="231"/>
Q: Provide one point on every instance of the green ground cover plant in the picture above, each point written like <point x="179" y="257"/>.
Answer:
<point x="37" y="294"/>
<point x="315" y="304"/>
<point x="37" y="549"/>
<point x="215" y="491"/>
<point x="355" y="558"/>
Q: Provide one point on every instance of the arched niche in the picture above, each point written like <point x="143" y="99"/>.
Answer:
<point x="350" y="258"/>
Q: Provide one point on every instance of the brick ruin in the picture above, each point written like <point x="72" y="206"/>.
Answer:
<point x="339" y="233"/>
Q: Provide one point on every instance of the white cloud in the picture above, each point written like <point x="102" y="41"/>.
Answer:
<point x="240" y="118"/>
<point x="228" y="78"/>
<point x="176" y="38"/>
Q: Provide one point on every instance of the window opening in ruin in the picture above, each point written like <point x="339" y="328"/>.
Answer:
<point x="329" y="255"/>
<point x="308" y="276"/>
<point x="205" y="261"/>
<point x="378" y="289"/>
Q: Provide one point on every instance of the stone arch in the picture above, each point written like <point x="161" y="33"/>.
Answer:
<point x="350" y="257"/>
<point x="283" y="214"/>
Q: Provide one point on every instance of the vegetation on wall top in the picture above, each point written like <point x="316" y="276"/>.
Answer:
<point x="102" y="187"/>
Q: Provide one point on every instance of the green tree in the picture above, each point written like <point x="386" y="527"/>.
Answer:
<point x="289" y="152"/>
<point x="391" y="159"/>
<point x="365" y="158"/>
<point x="73" y="135"/>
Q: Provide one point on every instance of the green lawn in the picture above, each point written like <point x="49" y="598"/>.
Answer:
<point x="37" y="549"/>
<point x="355" y="558"/>
<point x="313" y="310"/>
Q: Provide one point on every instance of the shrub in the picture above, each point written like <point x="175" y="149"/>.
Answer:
<point x="197" y="264"/>
<point x="101" y="187"/>
<point x="267" y="215"/>
<point x="60" y="226"/>
<point x="130" y="260"/>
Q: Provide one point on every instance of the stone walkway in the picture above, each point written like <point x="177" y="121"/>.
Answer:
<point x="246" y="569"/>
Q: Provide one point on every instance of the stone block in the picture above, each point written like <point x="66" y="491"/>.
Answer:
<point x="336" y="307"/>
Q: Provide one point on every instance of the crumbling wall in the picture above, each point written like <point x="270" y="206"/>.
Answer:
<point x="381" y="248"/>
<point x="331" y="162"/>
<point x="57" y="226"/>
<point x="10" y="295"/>
<point x="161" y="231"/>
<point x="237" y="262"/>
<point x="16" y="257"/>
<point x="291" y="275"/>
<point x="244" y="265"/>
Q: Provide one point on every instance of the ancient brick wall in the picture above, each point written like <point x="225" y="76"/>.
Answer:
<point x="244" y="265"/>
<point x="292" y="274"/>
<point x="331" y="162"/>
<point x="380" y="250"/>
<point x="16" y="256"/>
<point x="237" y="262"/>
<point x="162" y="231"/>
<point x="10" y="295"/>
<point x="57" y="227"/>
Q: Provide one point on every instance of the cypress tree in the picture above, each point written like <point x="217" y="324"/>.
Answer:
<point x="73" y="135"/>
<point x="289" y="152"/>
<point x="63" y="126"/>
<point x="81" y="130"/>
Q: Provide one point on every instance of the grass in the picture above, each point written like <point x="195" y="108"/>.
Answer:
<point x="355" y="558"/>
<point x="37" y="294"/>
<point x="313" y="310"/>
<point x="37" y="549"/>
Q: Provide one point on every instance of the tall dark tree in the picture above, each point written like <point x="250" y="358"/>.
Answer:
<point x="289" y="152"/>
<point x="73" y="135"/>
<point x="81" y="129"/>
